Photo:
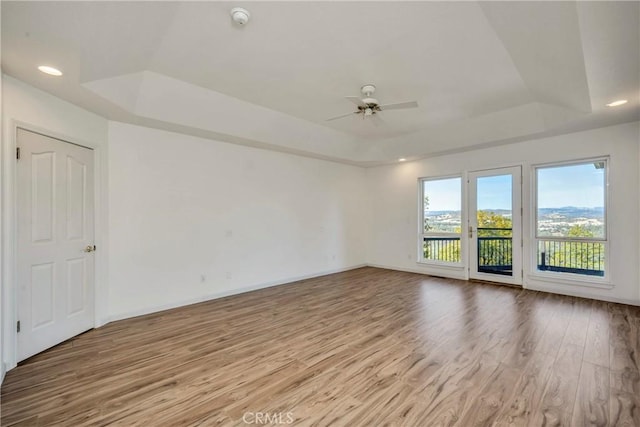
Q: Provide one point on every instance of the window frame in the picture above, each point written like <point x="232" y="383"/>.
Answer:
<point x="569" y="277"/>
<point x="421" y="218"/>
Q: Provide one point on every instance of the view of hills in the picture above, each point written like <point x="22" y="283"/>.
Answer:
<point x="551" y="221"/>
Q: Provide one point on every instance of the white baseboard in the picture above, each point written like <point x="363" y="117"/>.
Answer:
<point x="441" y="272"/>
<point x="226" y="293"/>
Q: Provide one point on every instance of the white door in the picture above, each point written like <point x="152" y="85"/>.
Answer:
<point x="55" y="242"/>
<point x="495" y="225"/>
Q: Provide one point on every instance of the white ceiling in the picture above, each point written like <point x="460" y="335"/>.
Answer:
<point x="482" y="72"/>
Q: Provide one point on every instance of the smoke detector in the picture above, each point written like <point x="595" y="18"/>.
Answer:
<point x="240" y="15"/>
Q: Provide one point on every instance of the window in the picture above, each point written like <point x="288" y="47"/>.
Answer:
<point x="571" y="218"/>
<point x="441" y="220"/>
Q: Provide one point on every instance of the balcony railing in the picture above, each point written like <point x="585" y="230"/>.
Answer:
<point x="495" y="253"/>
<point x="443" y="249"/>
<point x="571" y="256"/>
<point x="495" y="250"/>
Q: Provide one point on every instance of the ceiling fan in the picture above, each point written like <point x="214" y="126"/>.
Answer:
<point x="369" y="106"/>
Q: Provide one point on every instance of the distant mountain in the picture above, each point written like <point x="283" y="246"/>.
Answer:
<point x="572" y="212"/>
<point x="565" y="211"/>
<point x="438" y="213"/>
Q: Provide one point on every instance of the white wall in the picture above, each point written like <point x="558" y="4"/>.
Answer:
<point x="191" y="219"/>
<point x="34" y="109"/>
<point x="394" y="203"/>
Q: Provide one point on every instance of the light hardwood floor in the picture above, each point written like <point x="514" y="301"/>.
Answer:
<point x="368" y="347"/>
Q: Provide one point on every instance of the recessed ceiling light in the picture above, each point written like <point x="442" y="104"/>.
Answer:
<point x="402" y="159"/>
<point x="50" y="70"/>
<point x="618" y="102"/>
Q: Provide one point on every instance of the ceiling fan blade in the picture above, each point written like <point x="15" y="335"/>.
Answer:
<point x="356" y="100"/>
<point x="400" y="105"/>
<point x="342" y="116"/>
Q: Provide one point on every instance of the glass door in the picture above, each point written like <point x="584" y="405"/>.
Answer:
<point x="495" y="225"/>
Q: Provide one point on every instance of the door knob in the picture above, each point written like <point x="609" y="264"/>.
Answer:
<point x="90" y="248"/>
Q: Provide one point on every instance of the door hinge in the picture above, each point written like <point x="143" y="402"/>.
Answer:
<point x="17" y="153"/>
<point x="521" y="211"/>
<point x="522" y="273"/>
<point x="18" y="326"/>
<point x="522" y="243"/>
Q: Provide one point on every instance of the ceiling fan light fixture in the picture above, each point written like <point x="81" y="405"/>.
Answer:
<point x="368" y="112"/>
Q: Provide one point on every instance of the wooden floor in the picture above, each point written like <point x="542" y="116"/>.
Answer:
<point x="368" y="347"/>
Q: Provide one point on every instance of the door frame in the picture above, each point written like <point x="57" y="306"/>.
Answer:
<point x="9" y="255"/>
<point x="517" y="228"/>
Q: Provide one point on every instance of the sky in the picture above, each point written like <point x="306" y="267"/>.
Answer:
<point x="444" y="194"/>
<point x="575" y="185"/>
<point x="494" y="192"/>
<point x="569" y="185"/>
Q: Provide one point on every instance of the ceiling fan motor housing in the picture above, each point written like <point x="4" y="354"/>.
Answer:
<point x="367" y="90"/>
<point x="370" y="101"/>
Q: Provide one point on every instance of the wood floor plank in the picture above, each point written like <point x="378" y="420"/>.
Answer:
<point x="577" y="328"/>
<point x="624" y="402"/>
<point x="527" y="394"/>
<point x="451" y="392"/>
<point x="623" y="339"/>
<point x="531" y="325"/>
<point x="364" y="347"/>
<point x="389" y="400"/>
<point x="597" y="345"/>
<point x="558" y="399"/>
<point x="592" y="401"/>
<point x="624" y="408"/>
<point x="492" y="397"/>
<point x="556" y="328"/>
